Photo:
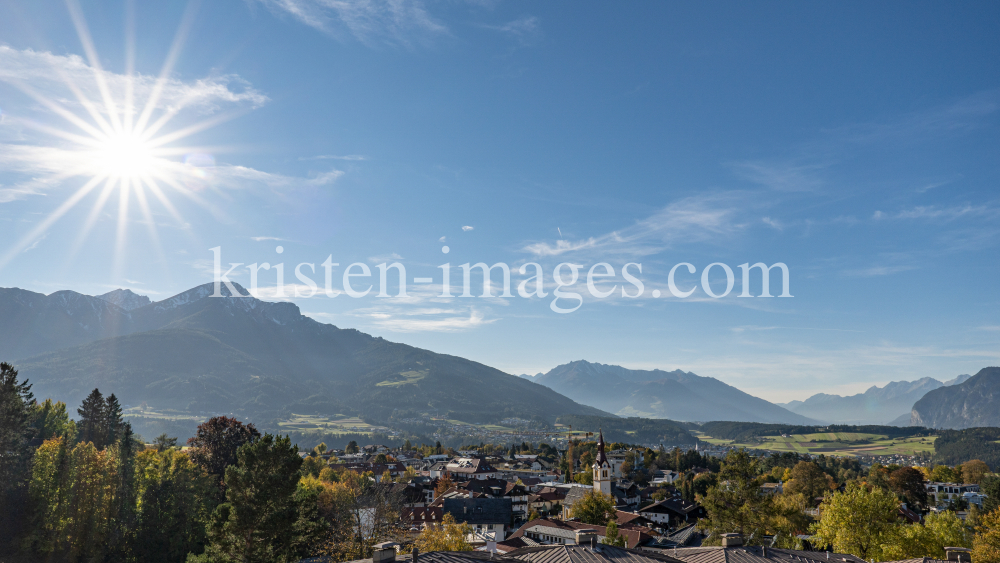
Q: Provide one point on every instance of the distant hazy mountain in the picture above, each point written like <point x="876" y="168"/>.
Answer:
<point x="976" y="402"/>
<point x="125" y="299"/>
<point x="878" y="405"/>
<point x="198" y="353"/>
<point x="676" y="395"/>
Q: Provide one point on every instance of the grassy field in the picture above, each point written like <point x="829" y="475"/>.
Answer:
<point x="337" y="424"/>
<point x="408" y="377"/>
<point x="835" y="443"/>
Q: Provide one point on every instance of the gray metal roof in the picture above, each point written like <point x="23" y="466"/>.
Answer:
<point x="757" y="554"/>
<point x="585" y="554"/>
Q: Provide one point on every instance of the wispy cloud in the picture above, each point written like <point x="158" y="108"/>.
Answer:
<point x="335" y="157"/>
<point x="782" y="177"/>
<point x="526" y="29"/>
<point x="391" y="21"/>
<point x="260" y="239"/>
<point x="960" y="116"/>
<point x="467" y="228"/>
<point x="693" y="219"/>
<point x="876" y="271"/>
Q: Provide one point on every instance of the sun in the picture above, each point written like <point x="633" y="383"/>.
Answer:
<point x="120" y="147"/>
<point x="125" y="154"/>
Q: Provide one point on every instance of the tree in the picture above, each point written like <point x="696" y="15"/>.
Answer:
<point x="216" y="444"/>
<point x="261" y="520"/>
<point x="447" y="536"/>
<point x="735" y="504"/>
<point x="986" y="542"/>
<point x="17" y="406"/>
<point x="407" y="446"/>
<point x="929" y="539"/>
<point x="352" y="447"/>
<point x="92" y="425"/>
<point x="320" y="448"/>
<point x="595" y="508"/>
<point x="533" y="515"/>
<point x="611" y="535"/>
<point x="975" y="470"/>
<point x="380" y="458"/>
<point x="443" y="484"/>
<point x="176" y="499"/>
<point x="942" y="474"/>
<point x="113" y="420"/>
<point x="858" y="521"/>
<point x="990" y="486"/>
<point x="808" y="479"/>
<point x="909" y="483"/>
<point x="51" y="420"/>
<point x="164" y="442"/>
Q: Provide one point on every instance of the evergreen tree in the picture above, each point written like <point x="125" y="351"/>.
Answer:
<point x="17" y="405"/>
<point x="92" y="426"/>
<point x="216" y="444"/>
<point x="113" y="420"/>
<point x="262" y="520"/>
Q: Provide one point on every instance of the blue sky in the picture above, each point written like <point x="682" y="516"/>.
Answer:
<point x="856" y="143"/>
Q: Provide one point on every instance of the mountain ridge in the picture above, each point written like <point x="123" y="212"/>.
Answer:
<point x="192" y="352"/>
<point x="972" y="403"/>
<point x="674" y="395"/>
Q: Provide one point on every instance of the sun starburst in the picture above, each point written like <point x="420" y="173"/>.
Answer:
<point x="113" y="146"/>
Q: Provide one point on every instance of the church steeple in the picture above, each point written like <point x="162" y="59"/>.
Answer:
<point x="602" y="469"/>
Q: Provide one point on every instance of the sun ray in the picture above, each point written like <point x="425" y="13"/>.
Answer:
<point x="147" y="214"/>
<point x="180" y="37"/>
<point x="129" y="64"/>
<point x="123" y="201"/>
<point x="83" y="32"/>
<point x="40" y="229"/>
<point x="60" y="110"/>
<point x="95" y="211"/>
<point x="155" y="188"/>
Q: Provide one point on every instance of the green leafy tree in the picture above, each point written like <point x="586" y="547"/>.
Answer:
<point x="51" y="420"/>
<point x="595" y="508"/>
<point x="176" y="499"/>
<point x="611" y="535"/>
<point x="447" y="536"/>
<point x="352" y="447"/>
<point x="17" y="406"/>
<point x="986" y="542"/>
<point x="859" y="521"/>
<point x="975" y="470"/>
<point x="943" y="474"/>
<point x="262" y="520"/>
<point x="808" y="479"/>
<point x="990" y="486"/>
<point x="909" y="483"/>
<point x="216" y="443"/>
<point x="735" y="504"/>
<point x="929" y="539"/>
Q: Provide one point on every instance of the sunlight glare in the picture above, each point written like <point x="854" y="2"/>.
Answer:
<point x="124" y="155"/>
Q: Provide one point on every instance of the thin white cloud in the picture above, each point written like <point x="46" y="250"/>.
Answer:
<point x="335" y="157"/>
<point x="781" y="177"/>
<point x="260" y="239"/>
<point x="47" y="73"/>
<point x="526" y="29"/>
<point x="391" y="257"/>
<point x="369" y="21"/>
<point x="948" y="213"/>
<point x="693" y="219"/>
<point x="409" y="323"/>
<point x="467" y="228"/>
<point x="877" y="271"/>
<point x="773" y="223"/>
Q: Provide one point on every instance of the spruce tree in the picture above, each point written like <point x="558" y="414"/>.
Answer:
<point x="113" y="420"/>
<point x="92" y="420"/>
<point x="16" y="407"/>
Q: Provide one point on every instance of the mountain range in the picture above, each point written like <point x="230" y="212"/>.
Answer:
<point x="675" y="395"/>
<point x="200" y="354"/>
<point x="974" y="403"/>
<point x="878" y="405"/>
